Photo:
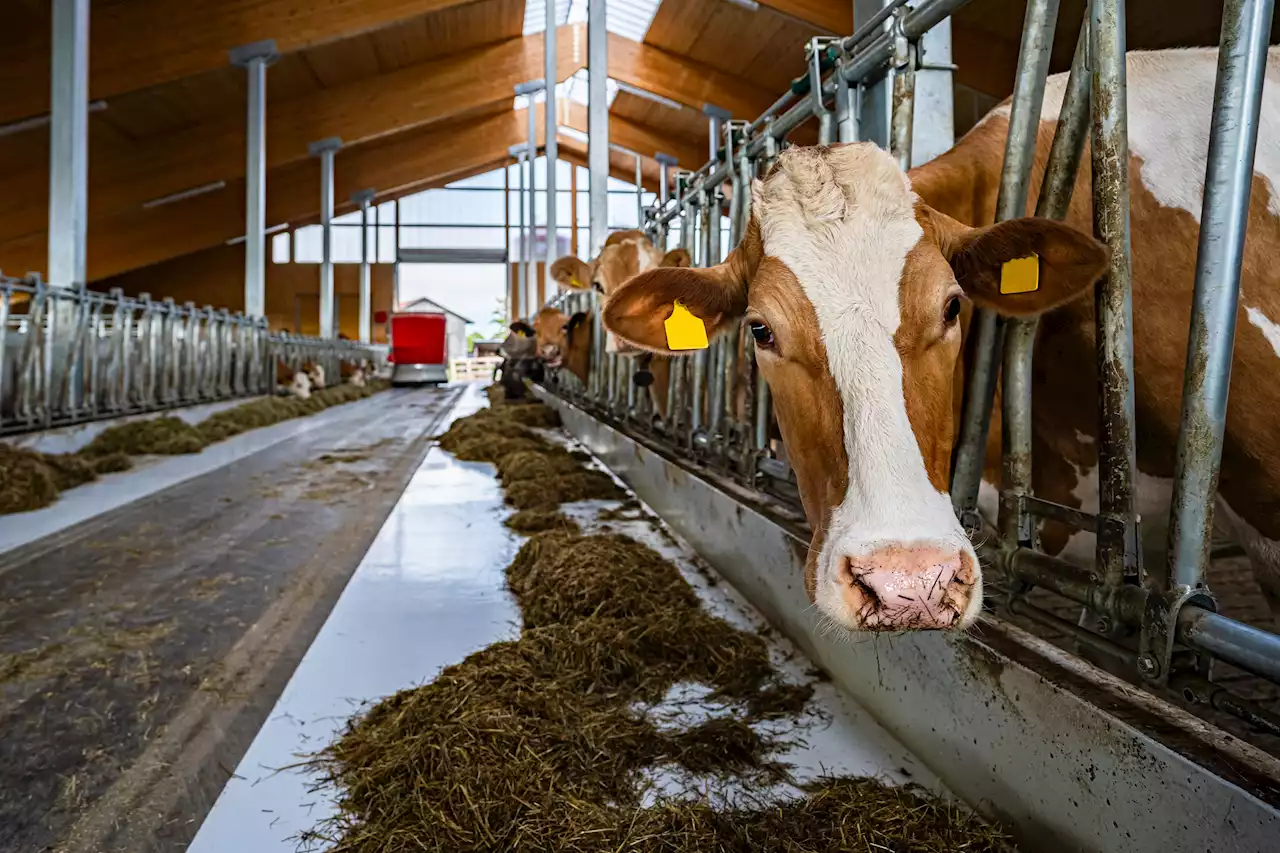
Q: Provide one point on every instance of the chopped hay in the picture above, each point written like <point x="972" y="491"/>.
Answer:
<point x="30" y="480"/>
<point x="565" y="488"/>
<point x="26" y="481"/>
<point x="166" y="436"/>
<point x="535" y="465"/>
<point x="544" y="743"/>
<point x="538" y="521"/>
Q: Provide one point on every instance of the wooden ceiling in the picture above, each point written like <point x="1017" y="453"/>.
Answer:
<point x="412" y="86"/>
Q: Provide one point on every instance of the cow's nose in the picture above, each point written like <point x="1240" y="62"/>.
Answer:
<point x="900" y="588"/>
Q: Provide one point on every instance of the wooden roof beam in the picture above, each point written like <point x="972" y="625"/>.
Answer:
<point x="684" y="81"/>
<point x="141" y="237"/>
<point x="139" y="43"/>
<point x="123" y="178"/>
<point x="834" y="16"/>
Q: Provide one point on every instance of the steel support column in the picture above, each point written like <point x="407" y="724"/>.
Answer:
<point x="597" y="124"/>
<point x="364" y="198"/>
<point x="665" y="164"/>
<point x="521" y="261"/>
<point x="325" y="149"/>
<point x="69" y="143"/>
<point x="551" y="150"/>
<point x="255" y="58"/>
<point x="529" y="90"/>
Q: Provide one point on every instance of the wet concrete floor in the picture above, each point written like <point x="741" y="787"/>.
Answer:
<point x="429" y="592"/>
<point x="140" y="653"/>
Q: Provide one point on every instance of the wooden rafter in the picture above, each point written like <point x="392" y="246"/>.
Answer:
<point x="135" y="44"/>
<point x="122" y="178"/>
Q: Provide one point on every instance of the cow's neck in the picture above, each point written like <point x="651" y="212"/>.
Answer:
<point x="578" y="358"/>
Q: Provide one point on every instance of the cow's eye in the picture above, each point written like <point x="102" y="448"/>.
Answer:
<point x="597" y="286"/>
<point x="951" y="312"/>
<point x="763" y="334"/>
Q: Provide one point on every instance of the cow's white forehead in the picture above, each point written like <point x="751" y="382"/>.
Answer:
<point x="843" y="221"/>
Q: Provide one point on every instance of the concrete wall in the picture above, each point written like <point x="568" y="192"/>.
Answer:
<point x="216" y="277"/>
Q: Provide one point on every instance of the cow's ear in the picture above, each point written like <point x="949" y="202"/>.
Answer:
<point x="575" y="324"/>
<point x="677" y="258"/>
<point x="1021" y="267"/>
<point x="520" y="327"/>
<point x="638" y="310"/>
<point x="572" y="272"/>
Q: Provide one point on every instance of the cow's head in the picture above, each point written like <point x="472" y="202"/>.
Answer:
<point x="564" y="340"/>
<point x="625" y="255"/>
<point x="855" y="294"/>
<point x="549" y="329"/>
<point x="571" y="273"/>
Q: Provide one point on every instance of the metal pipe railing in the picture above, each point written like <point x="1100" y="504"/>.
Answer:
<point x="1237" y="103"/>
<point x="719" y="417"/>
<point x="74" y="356"/>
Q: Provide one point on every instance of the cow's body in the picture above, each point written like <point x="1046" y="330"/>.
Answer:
<point x="851" y="276"/>
<point x="1170" y="95"/>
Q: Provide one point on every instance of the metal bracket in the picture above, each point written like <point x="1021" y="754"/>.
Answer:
<point x="902" y="55"/>
<point x="1159" y="632"/>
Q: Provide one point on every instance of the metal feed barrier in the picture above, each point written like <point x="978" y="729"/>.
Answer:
<point x="1168" y="607"/>
<point x="71" y="356"/>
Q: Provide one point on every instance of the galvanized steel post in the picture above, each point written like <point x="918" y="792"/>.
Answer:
<point x="364" y="198"/>
<point x="531" y="155"/>
<point x="903" y="105"/>
<point x="1011" y="203"/>
<point x="255" y="58"/>
<point x="665" y="164"/>
<point x="521" y="261"/>
<point x="1055" y="199"/>
<point x="551" y="150"/>
<point x="826" y="121"/>
<point x="1117" y="458"/>
<point x="598" y="123"/>
<point x="325" y="149"/>
<point x="1242" y="65"/>
<point x="69" y="144"/>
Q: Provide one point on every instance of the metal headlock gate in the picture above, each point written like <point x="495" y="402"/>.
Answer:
<point x="72" y="356"/>
<point x="1169" y="607"/>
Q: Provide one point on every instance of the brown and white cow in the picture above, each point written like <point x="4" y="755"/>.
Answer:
<point x="856" y="282"/>
<point x="561" y="337"/>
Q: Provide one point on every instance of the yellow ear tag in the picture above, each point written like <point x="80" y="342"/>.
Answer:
<point x="685" y="331"/>
<point x="574" y="282"/>
<point x="1021" y="275"/>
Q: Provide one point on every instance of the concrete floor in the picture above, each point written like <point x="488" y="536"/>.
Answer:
<point x="141" y="650"/>
<point x="430" y="591"/>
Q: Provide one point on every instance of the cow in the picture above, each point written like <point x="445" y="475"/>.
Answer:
<point x="299" y="386"/>
<point x="856" y="282"/>
<point x="520" y="360"/>
<point x="625" y="253"/>
<point x="315" y="372"/>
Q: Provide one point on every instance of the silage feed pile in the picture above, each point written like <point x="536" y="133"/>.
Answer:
<point x="30" y="480"/>
<point x="553" y="742"/>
